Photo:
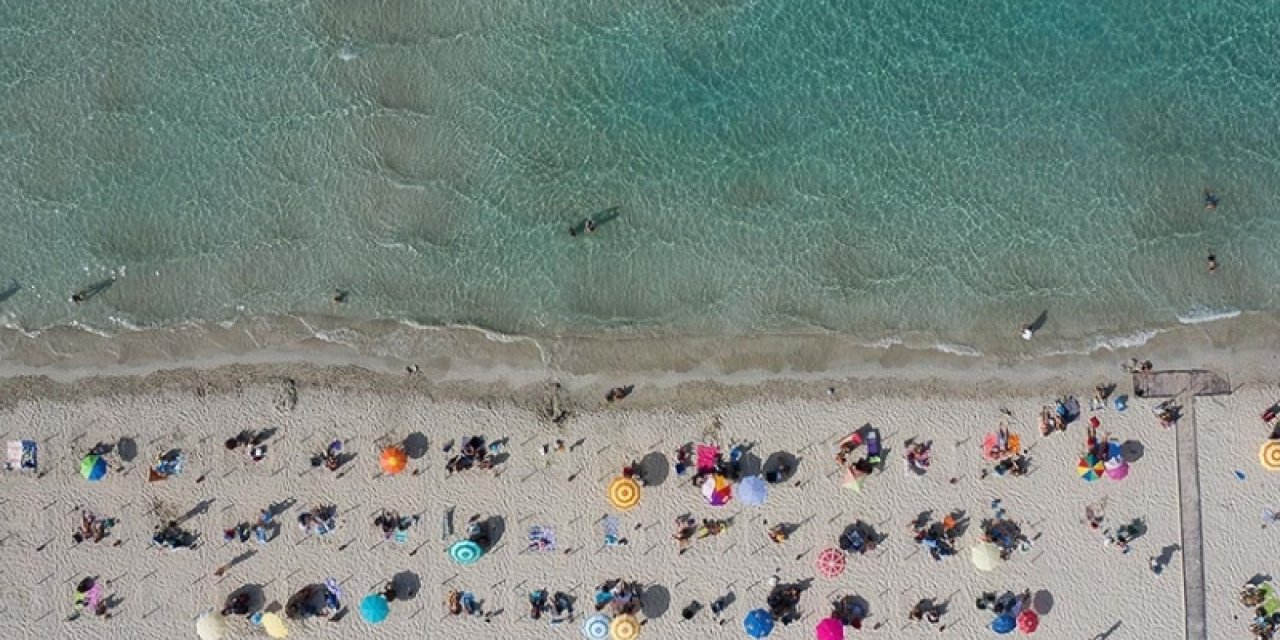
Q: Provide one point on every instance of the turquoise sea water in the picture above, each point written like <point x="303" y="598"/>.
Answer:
<point x="878" y="169"/>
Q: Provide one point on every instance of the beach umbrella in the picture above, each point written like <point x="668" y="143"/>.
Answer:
<point x="374" y="608"/>
<point x="1116" y="468"/>
<point x="93" y="467"/>
<point x="1003" y="624"/>
<point x="717" y="490"/>
<point x="986" y="556"/>
<point x="1028" y="621"/>
<point x="831" y="562"/>
<point x="1090" y="468"/>
<point x="830" y="629"/>
<point x="1269" y="455"/>
<point x="624" y="493"/>
<point x="758" y="623"/>
<point x="465" y="552"/>
<point x="753" y="490"/>
<point x="211" y="625"/>
<point x="624" y="627"/>
<point x="596" y="627"/>
<point x="273" y="624"/>
<point x="393" y="459"/>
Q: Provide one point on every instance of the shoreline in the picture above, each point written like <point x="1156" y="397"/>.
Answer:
<point x="1242" y="344"/>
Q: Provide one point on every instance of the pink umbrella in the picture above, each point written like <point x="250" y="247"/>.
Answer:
<point x="830" y="629"/>
<point x="1117" y="469"/>
<point x="831" y="562"/>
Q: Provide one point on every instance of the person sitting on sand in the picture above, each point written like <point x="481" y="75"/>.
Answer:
<point x="453" y="602"/>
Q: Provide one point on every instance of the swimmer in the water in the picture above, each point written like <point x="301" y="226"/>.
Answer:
<point x="339" y="296"/>
<point x="1213" y="263"/>
<point x="589" y="225"/>
<point x="1210" y="199"/>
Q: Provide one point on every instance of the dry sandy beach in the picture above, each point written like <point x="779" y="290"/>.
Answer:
<point x="1083" y="588"/>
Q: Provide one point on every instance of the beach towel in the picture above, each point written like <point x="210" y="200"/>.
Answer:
<point x="21" y="455"/>
<point x="707" y="455"/>
<point x="542" y="538"/>
<point x="611" y="531"/>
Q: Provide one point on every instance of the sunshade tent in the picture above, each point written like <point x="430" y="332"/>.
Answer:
<point x="985" y="556"/>
<point x="394" y="459"/>
<point x="596" y="627"/>
<point x="465" y="552"/>
<point x="93" y="467"/>
<point x="374" y="608"/>
<point x="830" y="629"/>
<point x="752" y="491"/>
<point x="211" y="625"/>
<point x="758" y="623"/>
<point x="624" y="627"/>
<point x="717" y="490"/>
<point x="624" y="493"/>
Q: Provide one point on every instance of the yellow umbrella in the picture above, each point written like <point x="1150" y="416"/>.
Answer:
<point x="1269" y="455"/>
<point x="624" y="493"/>
<point x="986" y="556"/>
<point x="624" y="627"/>
<point x="211" y="625"/>
<point x="274" y="626"/>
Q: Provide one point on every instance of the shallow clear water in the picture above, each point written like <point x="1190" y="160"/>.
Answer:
<point x="876" y="169"/>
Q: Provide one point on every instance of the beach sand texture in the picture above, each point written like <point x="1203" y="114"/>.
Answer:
<point x="1087" y="587"/>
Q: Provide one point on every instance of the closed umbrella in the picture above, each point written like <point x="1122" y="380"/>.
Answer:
<point x="211" y="625"/>
<point x="93" y="467"/>
<point x="830" y="629"/>
<point x="374" y="608"/>
<point x="624" y="627"/>
<point x="758" y="623"/>
<point x="753" y="490"/>
<point x="624" y="493"/>
<point x="986" y="556"/>
<point x="596" y="627"/>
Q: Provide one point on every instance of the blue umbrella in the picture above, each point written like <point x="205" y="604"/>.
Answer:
<point x="465" y="552"/>
<point x="758" y="623"/>
<point x="1004" y="624"/>
<point x="596" y="627"/>
<point x="753" y="490"/>
<point x="93" y="467"/>
<point x="374" y="608"/>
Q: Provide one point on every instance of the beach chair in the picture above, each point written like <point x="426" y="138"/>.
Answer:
<point x="401" y="536"/>
<point x="873" y="446"/>
<point x="21" y="455"/>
